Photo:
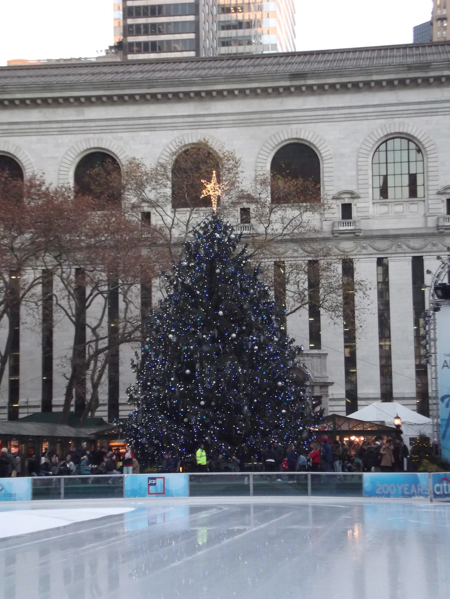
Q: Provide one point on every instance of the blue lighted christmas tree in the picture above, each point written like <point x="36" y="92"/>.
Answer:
<point x="216" y="363"/>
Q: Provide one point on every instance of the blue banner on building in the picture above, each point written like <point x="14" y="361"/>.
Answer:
<point x="157" y="485"/>
<point x="396" y="484"/>
<point x="440" y="484"/>
<point x="15" y="489"/>
<point x="443" y="367"/>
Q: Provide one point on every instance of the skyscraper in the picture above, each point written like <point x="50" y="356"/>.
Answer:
<point x="439" y="20"/>
<point x="423" y="33"/>
<point x="436" y="29"/>
<point x="118" y="21"/>
<point x="153" y="29"/>
<point x="255" y="27"/>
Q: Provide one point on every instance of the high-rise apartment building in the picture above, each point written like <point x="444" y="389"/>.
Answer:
<point x="436" y="29"/>
<point x="158" y="28"/>
<point x="246" y="27"/>
<point x="439" y="20"/>
<point x="118" y="21"/>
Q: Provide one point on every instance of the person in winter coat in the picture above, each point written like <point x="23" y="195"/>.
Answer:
<point x="84" y="467"/>
<point x="314" y="458"/>
<point x="4" y="464"/>
<point x="270" y="459"/>
<point x="18" y="463"/>
<point x="387" y="456"/>
<point x="136" y="467"/>
<point x="327" y="455"/>
<point x="338" y="454"/>
<point x="128" y="462"/>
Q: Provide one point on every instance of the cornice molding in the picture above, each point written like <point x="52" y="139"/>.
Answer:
<point x="23" y="158"/>
<point x="86" y="146"/>
<point x="254" y="86"/>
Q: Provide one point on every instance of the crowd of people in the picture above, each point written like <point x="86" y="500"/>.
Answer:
<point x="382" y="454"/>
<point x="79" y="461"/>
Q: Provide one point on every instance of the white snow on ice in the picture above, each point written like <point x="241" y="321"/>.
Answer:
<point x="21" y="522"/>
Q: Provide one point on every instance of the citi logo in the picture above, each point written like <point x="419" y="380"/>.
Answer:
<point x="442" y="487"/>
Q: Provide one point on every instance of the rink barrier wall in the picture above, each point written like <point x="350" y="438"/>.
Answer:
<point x="408" y="485"/>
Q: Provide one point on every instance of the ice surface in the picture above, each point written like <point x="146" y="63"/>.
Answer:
<point x="195" y="549"/>
<point x="19" y="522"/>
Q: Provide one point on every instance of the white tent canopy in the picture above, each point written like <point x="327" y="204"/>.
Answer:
<point x="413" y="424"/>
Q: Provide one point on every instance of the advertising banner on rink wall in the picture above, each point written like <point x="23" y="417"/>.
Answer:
<point x="443" y="366"/>
<point x="440" y="483"/>
<point x="396" y="484"/>
<point x="157" y="485"/>
<point x="15" y="489"/>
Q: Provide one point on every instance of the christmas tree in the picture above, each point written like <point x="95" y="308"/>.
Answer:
<point x="216" y="364"/>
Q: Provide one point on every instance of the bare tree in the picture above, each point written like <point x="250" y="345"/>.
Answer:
<point x="285" y="212"/>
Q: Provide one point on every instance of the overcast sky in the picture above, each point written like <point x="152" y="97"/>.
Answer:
<point x="68" y="28"/>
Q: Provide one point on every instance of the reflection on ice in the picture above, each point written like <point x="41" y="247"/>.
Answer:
<point x="162" y="551"/>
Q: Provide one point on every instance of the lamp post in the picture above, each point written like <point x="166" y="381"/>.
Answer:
<point x="397" y="421"/>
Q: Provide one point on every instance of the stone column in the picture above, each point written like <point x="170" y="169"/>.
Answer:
<point x="30" y="388"/>
<point x="367" y="342"/>
<point x="297" y="323"/>
<point x="63" y="334"/>
<point x="402" y="330"/>
<point x="333" y="344"/>
<point x="131" y="308"/>
<point x="4" y="387"/>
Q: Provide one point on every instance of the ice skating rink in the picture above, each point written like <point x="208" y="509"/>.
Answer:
<point x="249" y="549"/>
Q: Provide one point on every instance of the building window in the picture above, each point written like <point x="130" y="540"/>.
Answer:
<point x="161" y="10"/>
<point x="351" y="379"/>
<point x="384" y="329"/>
<point x="418" y="283"/>
<point x="98" y="181"/>
<point x="14" y="349"/>
<point x="47" y="341"/>
<point x="10" y="167"/>
<point x="295" y="175"/>
<point x="146" y="306"/>
<point x="447" y="206"/>
<point x="161" y="28"/>
<point x="146" y="218"/>
<point x="315" y="341"/>
<point x="185" y="45"/>
<point x="190" y="168"/>
<point x="11" y="178"/>
<point x="245" y="216"/>
<point x="398" y="170"/>
<point x="280" y="292"/>
<point x="113" y="358"/>
<point x="346" y="211"/>
<point x="79" y="353"/>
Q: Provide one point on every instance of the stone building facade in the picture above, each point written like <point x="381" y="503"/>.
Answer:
<point x="376" y="118"/>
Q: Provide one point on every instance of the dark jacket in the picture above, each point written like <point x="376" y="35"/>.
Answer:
<point x="291" y="459"/>
<point x="4" y="466"/>
<point x="327" y="453"/>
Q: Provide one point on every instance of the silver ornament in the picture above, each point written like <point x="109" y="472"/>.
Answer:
<point x="188" y="371"/>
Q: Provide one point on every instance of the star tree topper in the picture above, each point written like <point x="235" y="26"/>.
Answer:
<point x="213" y="189"/>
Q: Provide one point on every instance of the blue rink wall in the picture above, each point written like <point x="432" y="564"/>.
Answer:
<point x="432" y="486"/>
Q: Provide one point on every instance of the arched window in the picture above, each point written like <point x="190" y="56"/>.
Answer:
<point x="11" y="179"/>
<point x="98" y="179"/>
<point x="295" y="175"/>
<point x="11" y="168"/>
<point x="398" y="170"/>
<point x="189" y="169"/>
